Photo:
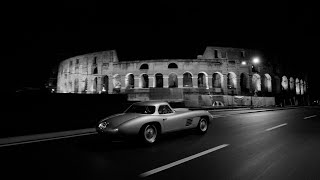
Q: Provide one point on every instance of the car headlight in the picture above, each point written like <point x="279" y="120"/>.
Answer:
<point x="103" y="125"/>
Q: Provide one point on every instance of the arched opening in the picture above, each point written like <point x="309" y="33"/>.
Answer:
<point x="256" y="82"/>
<point x="95" y="83"/>
<point x="116" y="83"/>
<point x="231" y="80"/>
<point x="291" y="84"/>
<point x="173" y="80"/>
<point x="144" y="66"/>
<point x="276" y="85"/>
<point x="187" y="79"/>
<point x="129" y="81"/>
<point x="297" y="86"/>
<point x="172" y="66"/>
<point x="159" y="80"/>
<point x="244" y="83"/>
<point x="202" y="80"/>
<point x="144" y="81"/>
<point x="76" y="85"/>
<point x="105" y="84"/>
<point x="95" y="70"/>
<point x="284" y="83"/>
<point x="217" y="80"/>
<point x="267" y="83"/>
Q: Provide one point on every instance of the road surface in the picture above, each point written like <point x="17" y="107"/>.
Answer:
<point x="283" y="144"/>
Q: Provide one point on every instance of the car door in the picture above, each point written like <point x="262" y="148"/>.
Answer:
<point x="171" y="120"/>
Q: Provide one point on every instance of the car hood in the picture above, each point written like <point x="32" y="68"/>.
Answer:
<point x="118" y="119"/>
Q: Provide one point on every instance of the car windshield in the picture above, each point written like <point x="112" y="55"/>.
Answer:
<point x="141" y="109"/>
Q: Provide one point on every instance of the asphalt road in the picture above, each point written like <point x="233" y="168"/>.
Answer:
<point x="283" y="144"/>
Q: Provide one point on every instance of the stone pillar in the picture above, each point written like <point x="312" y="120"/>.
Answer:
<point x="99" y="85"/>
<point x="238" y="90"/>
<point x="180" y="81"/>
<point x="110" y="84"/>
<point x="136" y="82"/>
<point x="165" y="81"/>
<point x="195" y="81"/>
<point x="151" y="81"/>
<point x="209" y="82"/>
<point x="123" y="82"/>
<point x="224" y="86"/>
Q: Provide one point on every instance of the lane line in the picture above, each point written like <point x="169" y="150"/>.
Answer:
<point x="310" y="117"/>
<point x="46" y="139"/>
<point x="162" y="168"/>
<point x="275" y="127"/>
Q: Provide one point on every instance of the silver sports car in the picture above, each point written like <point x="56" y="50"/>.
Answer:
<point x="149" y="119"/>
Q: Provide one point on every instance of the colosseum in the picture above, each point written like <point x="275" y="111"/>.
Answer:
<point x="232" y="76"/>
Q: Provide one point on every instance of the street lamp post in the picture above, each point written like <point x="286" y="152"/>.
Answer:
<point x="255" y="60"/>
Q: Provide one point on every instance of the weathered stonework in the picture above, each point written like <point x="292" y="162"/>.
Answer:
<point x="218" y="70"/>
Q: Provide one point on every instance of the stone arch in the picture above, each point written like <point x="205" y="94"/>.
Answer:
<point x="172" y="66"/>
<point x="276" y="84"/>
<point x="173" y="80"/>
<point x="129" y="81"/>
<point x="187" y="79"/>
<point x="116" y="83"/>
<point x="244" y="82"/>
<point x="203" y="80"/>
<point x="76" y="85"/>
<point x="267" y="83"/>
<point x="158" y="80"/>
<point x="105" y="84"/>
<point x="95" y="70"/>
<point x="291" y="80"/>
<point x="284" y="83"/>
<point x="144" y="81"/>
<point x="297" y="86"/>
<point x="144" y="66"/>
<point x="256" y="82"/>
<point x="217" y="80"/>
<point x="231" y="80"/>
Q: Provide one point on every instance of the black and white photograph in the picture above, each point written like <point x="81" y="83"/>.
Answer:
<point x="160" y="90"/>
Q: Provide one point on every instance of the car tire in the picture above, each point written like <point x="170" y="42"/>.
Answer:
<point x="149" y="134"/>
<point x="203" y="125"/>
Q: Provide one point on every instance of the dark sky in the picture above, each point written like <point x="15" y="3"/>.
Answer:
<point x="38" y="35"/>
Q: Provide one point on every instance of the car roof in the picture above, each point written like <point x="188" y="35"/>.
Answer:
<point x="151" y="103"/>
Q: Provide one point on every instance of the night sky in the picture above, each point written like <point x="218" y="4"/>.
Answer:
<point x="37" y="36"/>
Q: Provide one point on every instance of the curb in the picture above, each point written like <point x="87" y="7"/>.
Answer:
<point x="10" y="141"/>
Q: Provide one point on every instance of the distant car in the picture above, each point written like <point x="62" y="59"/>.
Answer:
<point x="147" y="120"/>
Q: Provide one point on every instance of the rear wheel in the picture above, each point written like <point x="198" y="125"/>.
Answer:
<point x="203" y="125"/>
<point x="149" y="133"/>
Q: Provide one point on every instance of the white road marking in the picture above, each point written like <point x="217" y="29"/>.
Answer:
<point x="276" y="127"/>
<point x="162" y="168"/>
<point x="310" y="117"/>
<point x="46" y="139"/>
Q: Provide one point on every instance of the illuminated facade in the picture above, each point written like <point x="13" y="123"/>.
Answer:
<point x="219" y="70"/>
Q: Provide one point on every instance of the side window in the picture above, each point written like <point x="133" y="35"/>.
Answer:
<point x="164" y="109"/>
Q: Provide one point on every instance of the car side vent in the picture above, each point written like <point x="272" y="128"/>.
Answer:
<point x="189" y="122"/>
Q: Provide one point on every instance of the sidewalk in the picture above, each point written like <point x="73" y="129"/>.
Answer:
<point x="82" y="132"/>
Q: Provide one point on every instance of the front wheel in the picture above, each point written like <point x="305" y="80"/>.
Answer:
<point x="202" y="127"/>
<point x="149" y="133"/>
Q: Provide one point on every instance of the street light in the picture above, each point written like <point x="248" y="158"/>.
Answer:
<point x="255" y="60"/>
